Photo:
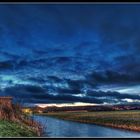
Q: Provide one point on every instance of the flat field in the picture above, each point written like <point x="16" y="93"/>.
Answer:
<point x="129" y="120"/>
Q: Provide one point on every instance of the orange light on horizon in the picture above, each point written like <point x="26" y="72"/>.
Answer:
<point x="66" y="104"/>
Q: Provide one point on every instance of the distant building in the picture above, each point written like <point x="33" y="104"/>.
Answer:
<point x="27" y="110"/>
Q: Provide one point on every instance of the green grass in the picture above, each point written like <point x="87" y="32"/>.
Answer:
<point x="13" y="129"/>
<point x="120" y="119"/>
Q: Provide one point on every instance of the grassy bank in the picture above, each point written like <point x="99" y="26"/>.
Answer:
<point x="129" y="120"/>
<point x="15" y="123"/>
<point x="13" y="129"/>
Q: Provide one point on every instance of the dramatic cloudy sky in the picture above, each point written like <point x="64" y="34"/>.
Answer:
<point x="58" y="53"/>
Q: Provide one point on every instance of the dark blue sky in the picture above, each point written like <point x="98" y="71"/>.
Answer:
<point x="65" y="53"/>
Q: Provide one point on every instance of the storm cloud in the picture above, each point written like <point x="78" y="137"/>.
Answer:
<point x="58" y="53"/>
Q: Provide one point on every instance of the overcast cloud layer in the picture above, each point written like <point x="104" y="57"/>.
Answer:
<point x="57" y="53"/>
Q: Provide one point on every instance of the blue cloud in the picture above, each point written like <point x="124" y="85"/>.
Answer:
<point x="69" y="49"/>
